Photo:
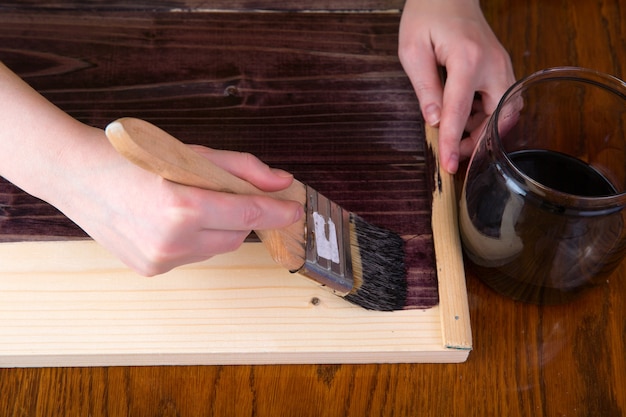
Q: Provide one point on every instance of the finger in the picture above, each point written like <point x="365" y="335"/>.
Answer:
<point x="210" y="243"/>
<point x="458" y="97"/>
<point x="198" y="224"/>
<point x="477" y="116"/>
<point x="468" y="144"/>
<point x="187" y="249"/>
<point x="224" y="211"/>
<point x="248" y="167"/>
<point x="475" y="121"/>
<point x="420" y="64"/>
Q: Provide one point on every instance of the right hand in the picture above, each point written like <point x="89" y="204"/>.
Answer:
<point x="453" y="34"/>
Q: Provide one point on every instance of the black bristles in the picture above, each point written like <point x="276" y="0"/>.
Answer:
<point x="380" y="281"/>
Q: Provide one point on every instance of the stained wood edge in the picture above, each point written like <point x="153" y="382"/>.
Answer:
<point x="453" y="303"/>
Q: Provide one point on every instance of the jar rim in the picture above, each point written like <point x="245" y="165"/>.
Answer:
<point x="565" y="73"/>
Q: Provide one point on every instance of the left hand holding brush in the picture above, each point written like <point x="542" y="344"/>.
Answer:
<point x="155" y="225"/>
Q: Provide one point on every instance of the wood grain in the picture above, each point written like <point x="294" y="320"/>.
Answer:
<point x="73" y="304"/>
<point x="260" y="83"/>
<point x="275" y="85"/>
<point x="447" y="243"/>
<point x="527" y="360"/>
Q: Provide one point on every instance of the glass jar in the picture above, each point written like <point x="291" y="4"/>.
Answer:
<point x="541" y="212"/>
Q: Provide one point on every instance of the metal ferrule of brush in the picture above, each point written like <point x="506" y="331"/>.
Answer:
<point x="328" y="254"/>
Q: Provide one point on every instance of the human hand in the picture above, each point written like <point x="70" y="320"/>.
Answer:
<point x="154" y="225"/>
<point x="453" y="34"/>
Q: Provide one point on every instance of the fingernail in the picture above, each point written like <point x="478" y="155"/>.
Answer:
<point x="299" y="214"/>
<point x="453" y="163"/>
<point x="281" y="173"/>
<point x="432" y="114"/>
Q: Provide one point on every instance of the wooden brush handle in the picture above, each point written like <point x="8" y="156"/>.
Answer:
<point x="157" y="151"/>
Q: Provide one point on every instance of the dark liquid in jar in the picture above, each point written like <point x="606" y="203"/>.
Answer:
<point x="572" y="243"/>
<point x="562" y="173"/>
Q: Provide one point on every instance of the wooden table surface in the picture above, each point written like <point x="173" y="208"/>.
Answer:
<point x="527" y="360"/>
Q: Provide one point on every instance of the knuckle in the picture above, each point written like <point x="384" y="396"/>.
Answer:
<point x="459" y="110"/>
<point x="407" y="46"/>
<point x="472" y="54"/>
<point x="406" y="51"/>
<point x="150" y="270"/>
<point x="252" y="215"/>
<point x="422" y="88"/>
<point x="249" y="160"/>
<point x="504" y="61"/>
<point x="158" y="256"/>
<point x="232" y="243"/>
<point x="179" y="209"/>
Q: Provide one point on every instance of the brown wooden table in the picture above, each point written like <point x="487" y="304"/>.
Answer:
<point x="527" y="360"/>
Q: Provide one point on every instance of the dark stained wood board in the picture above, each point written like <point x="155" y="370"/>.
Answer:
<point x="196" y="5"/>
<point x="320" y="95"/>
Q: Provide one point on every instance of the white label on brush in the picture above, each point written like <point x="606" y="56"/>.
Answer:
<point x="326" y="238"/>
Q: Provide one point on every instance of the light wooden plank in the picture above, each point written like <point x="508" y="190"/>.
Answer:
<point x="453" y="304"/>
<point x="72" y="304"/>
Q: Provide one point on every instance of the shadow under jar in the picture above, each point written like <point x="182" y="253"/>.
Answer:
<point x="542" y="208"/>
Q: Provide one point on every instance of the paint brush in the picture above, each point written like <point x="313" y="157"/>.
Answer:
<point x="358" y="261"/>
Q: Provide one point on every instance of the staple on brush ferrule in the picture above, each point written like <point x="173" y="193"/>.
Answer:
<point x="328" y="256"/>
